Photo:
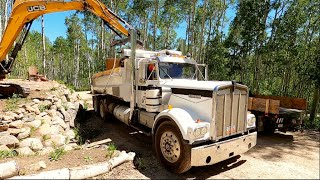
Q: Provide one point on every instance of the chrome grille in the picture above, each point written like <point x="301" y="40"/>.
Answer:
<point x="230" y="111"/>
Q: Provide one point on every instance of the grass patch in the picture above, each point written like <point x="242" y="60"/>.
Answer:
<point x="43" y="107"/>
<point x="56" y="154"/>
<point x="53" y="89"/>
<point x="110" y="150"/>
<point x="8" y="154"/>
<point x="78" y="136"/>
<point x="87" y="158"/>
<point x="85" y="105"/>
<point x="12" y="103"/>
<point x="139" y="163"/>
<point x="45" y="137"/>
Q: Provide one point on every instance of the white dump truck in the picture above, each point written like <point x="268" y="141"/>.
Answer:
<point x="192" y="121"/>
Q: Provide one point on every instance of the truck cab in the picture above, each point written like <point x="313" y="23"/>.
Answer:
<point x="192" y="121"/>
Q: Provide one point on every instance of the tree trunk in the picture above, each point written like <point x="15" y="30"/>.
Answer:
<point x="200" y="57"/>
<point x="155" y="24"/>
<point x="43" y="46"/>
<point x="1" y="27"/>
<point x="102" y="39"/>
<point x="193" y="13"/>
<point x="315" y="103"/>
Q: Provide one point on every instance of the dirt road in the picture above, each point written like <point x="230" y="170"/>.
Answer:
<point x="288" y="156"/>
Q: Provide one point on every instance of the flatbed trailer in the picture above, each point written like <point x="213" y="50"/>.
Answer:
<point x="277" y="112"/>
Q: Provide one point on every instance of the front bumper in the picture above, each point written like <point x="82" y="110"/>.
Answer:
<point x="214" y="153"/>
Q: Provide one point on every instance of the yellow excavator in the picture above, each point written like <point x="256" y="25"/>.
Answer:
<point x="20" y="21"/>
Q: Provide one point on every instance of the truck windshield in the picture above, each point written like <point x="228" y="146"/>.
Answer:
<point x="177" y="70"/>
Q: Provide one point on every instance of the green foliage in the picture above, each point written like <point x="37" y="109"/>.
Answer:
<point x="43" y="107"/>
<point x="270" y="46"/>
<point x="7" y="154"/>
<point x="78" y="136"/>
<point x="315" y="125"/>
<point x="85" y="105"/>
<point x="110" y="150"/>
<point x="87" y="158"/>
<point x="53" y="89"/>
<point x="45" y="137"/>
<point x="12" y="103"/>
<point x="56" y="154"/>
<point x="139" y="163"/>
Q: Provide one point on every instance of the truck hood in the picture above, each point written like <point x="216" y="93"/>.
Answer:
<point x="193" y="84"/>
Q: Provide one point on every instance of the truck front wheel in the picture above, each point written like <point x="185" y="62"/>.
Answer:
<point x="170" y="148"/>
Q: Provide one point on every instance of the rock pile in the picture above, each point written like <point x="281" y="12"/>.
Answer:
<point x="41" y="125"/>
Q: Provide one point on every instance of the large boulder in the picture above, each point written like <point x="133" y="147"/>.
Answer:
<point x="37" y="101"/>
<point x="14" y="131"/>
<point x="25" y="132"/>
<point x="56" y="129"/>
<point x="4" y="127"/>
<point x="9" y="140"/>
<point x="16" y="124"/>
<point x="35" y="124"/>
<point x="25" y="151"/>
<point x="58" y="139"/>
<point x="7" y="118"/>
<point x="52" y="112"/>
<point x="46" y="150"/>
<point x="4" y="148"/>
<point x="44" y="129"/>
<point x="70" y="134"/>
<point x="30" y="108"/>
<point x="34" y="143"/>
<point x="59" y="121"/>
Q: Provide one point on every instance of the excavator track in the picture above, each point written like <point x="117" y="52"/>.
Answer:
<point x="9" y="89"/>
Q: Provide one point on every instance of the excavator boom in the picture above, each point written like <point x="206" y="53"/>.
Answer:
<point x="25" y="11"/>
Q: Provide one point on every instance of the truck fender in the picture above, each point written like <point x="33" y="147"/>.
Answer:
<point x="181" y="117"/>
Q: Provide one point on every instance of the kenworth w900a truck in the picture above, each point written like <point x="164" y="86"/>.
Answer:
<point x="192" y="121"/>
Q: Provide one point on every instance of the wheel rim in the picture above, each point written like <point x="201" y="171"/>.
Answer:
<point x="102" y="110"/>
<point x="170" y="146"/>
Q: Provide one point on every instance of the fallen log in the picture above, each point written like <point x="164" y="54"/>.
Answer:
<point x="97" y="143"/>
<point x="54" y="174"/>
<point x="83" y="171"/>
<point x="101" y="168"/>
<point x="8" y="169"/>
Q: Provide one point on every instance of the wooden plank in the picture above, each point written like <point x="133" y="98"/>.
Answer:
<point x="287" y="102"/>
<point x="93" y="144"/>
<point x="263" y="105"/>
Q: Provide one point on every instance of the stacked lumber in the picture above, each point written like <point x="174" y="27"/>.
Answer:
<point x="287" y="102"/>
<point x="263" y="105"/>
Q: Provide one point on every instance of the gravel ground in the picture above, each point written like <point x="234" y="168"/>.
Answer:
<point x="291" y="155"/>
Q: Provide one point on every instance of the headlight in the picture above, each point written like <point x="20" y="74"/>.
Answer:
<point x="251" y="121"/>
<point x="204" y="130"/>
<point x="199" y="132"/>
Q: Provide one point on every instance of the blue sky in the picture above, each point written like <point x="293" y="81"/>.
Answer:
<point x="55" y="27"/>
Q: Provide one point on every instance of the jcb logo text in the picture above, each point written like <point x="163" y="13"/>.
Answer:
<point x="36" y="8"/>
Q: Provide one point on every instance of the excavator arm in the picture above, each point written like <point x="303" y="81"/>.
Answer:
<point x="25" y="11"/>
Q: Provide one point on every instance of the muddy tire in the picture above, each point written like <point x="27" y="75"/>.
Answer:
<point x="170" y="148"/>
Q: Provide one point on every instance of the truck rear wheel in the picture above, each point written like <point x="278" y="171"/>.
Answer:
<point x="173" y="153"/>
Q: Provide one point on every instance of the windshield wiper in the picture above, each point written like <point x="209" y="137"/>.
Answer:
<point x="165" y="72"/>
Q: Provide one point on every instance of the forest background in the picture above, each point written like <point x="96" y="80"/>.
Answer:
<point x="272" y="46"/>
